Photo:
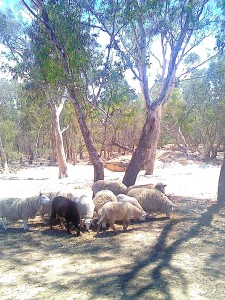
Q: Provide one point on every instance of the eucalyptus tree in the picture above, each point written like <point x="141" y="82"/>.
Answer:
<point x="166" y="31"/>
<point x="203" y="96"/>
<point x="9" y="130"/>
<point x="68" y="31"/>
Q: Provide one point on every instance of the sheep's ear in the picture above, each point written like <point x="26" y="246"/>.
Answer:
<point x="40" y="194"/>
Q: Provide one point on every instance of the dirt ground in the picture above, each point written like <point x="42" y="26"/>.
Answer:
<point x="180" y="258"/>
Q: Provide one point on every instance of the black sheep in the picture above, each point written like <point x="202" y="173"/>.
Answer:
<point x="63" y="207"/>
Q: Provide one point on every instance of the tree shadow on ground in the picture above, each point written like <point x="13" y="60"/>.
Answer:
<point x="162" y="255"/>
<point x="148" y="272"/>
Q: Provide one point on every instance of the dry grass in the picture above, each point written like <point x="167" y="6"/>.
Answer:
<point x="180" y="258"/>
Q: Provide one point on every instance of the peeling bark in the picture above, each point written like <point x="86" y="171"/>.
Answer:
<point x="154" y="137"/>
<point x="61" y="157"/>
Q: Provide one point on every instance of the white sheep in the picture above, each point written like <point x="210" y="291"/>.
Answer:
<point x="86" y="208"/>
<point x="116" y="187"/>
<point x="100" y="199"/>
<point x="16" y="209"/>
<point x="158" y="186"/>
<point x="132" y="200"/>
<point x="46" y="207"/>
<point x="119" y="211"/>
<point x="152" y="201"/>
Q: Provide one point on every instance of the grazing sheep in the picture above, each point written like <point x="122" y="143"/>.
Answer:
<point x="82" y="198"/>
<point x="65" y="208"/>
<point x="119" y="211"/>
<point x="16" y="209"/>
<point x="86" y="208"/>
<point x="100" y="199"/>
<point x="46" y="208"/>
<point x="132" y="200"/>
<point x="152" y="200"/>
<point x="158" y="186"/>
<point x="115" y="186"/>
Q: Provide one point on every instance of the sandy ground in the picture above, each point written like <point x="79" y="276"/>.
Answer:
<point x="178" y="259"/>
<point x="194" y="179"/>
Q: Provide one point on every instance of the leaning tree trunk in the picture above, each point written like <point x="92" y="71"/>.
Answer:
<point x="93" y="154"/>
<point x="147" y="140"/>
<point x="95" y="159"/>
<point x="221" y="185"/>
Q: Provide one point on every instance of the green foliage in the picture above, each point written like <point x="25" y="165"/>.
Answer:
<point x="9" y="130"/>
<point x="192" y="58"/>
<point x="205" y="124"/>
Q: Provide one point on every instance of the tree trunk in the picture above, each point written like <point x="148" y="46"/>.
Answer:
<point x="3" y="158"/>
<point x="145" y="142"/>
<point x="93" y="154"/>
<point x="221" y="185"/>
<point x="154" y="137"/>
<point x="61" y="158"/>
<point x="52" y="144"/>
<point x="95" y="159"/>
<point x="30" y="155"/>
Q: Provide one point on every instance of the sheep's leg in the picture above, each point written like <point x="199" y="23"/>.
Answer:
<point x="25" y="226"/>
<point x="51" y="218"/>
<point x="100" y="222"/>
<point x="77" y="229"/>
<point x="99" y="226"/>
<point x="125" y="224"/>
<point x="60" y="222"/>
<point x="3" y="223"/>
<point x="43" y="219"/>
<point x="68" y="227"/>
<point x="104" y="224"/>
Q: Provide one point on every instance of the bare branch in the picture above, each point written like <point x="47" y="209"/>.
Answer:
<point x="198" y="65"/>
<point x="32" y="12"/>
<point x="65" y="128"/>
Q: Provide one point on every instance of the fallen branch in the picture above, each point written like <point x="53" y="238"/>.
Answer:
<point x="114" y="143"/>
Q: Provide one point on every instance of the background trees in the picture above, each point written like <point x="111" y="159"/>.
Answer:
<point x="176" y="28"/>
<point x="86" y="47"/>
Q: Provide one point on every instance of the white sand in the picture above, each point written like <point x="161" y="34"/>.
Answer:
<point x="191" y="180"/>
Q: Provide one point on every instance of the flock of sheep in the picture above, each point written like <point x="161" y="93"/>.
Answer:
<point x="111" y="201"/>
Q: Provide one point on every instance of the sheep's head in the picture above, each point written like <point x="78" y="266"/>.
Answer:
<point x="87" y="223"/>
<point x="44" y="199"/>
<point x="142" y="216"/>
<point x="160" y="187"/>
<point x="169" y="210"/>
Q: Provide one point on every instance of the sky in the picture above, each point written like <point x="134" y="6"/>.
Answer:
<point x="202" y="50"/>
<point x="4" y="4"/>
